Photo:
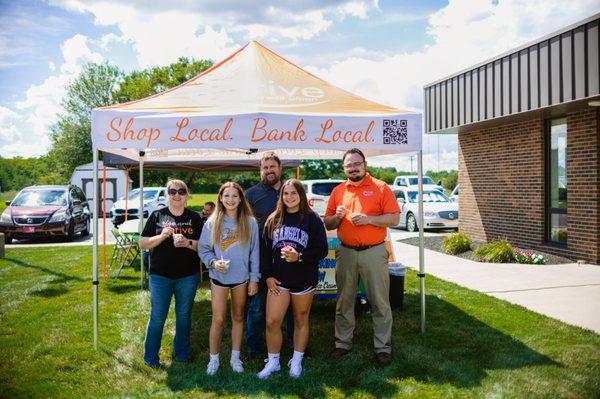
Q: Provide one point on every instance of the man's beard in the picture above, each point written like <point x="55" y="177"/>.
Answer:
<point x="355" y="177"/>
<point x="271" y="179"/>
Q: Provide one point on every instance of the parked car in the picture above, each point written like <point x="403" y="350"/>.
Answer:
<point x="454" y="194"/>
<point x="318" y="192"/>
<point x="439" y="212"/>
<point x="154" y="198"/>
<point x="43" y="211"/>
<point x="406" y="181"/>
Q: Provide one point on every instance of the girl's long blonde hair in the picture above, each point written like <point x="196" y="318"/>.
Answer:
<point x="243" y="214"/>
<point x="275" y="219"/>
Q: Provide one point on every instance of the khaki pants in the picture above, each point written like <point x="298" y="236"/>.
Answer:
<point x="372" y="266"/>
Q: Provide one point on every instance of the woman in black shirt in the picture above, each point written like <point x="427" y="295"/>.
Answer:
<point x="294" y="241"/>
<point x="172" y="233"/>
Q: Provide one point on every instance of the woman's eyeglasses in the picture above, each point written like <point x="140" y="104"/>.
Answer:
<point x="181" y="191"/>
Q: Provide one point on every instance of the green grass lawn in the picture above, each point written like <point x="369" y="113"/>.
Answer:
<point x="6" y="196"/>
<point x="197" y="201"/>
<point x="475" y="345"/>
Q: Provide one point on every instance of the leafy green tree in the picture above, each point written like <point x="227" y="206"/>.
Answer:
<point x="140" y="84"/>
<point x="71" y="138"/>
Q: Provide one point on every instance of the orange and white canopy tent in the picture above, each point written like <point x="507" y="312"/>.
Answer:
<point x="253" y="101"/>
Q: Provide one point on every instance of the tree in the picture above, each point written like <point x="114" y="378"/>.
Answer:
<point x="71" y="135"/>
<point x="140" y="84"/>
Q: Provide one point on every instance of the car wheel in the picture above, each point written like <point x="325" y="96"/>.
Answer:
<point x="411" y="223"/>
<point x="71" y="232"/>
<point x="86" y="232"/>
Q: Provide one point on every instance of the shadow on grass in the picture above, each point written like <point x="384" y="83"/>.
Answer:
<point x="64" y="277"/>
<point x="50" y="292"/>
<point x="457" y="349"/>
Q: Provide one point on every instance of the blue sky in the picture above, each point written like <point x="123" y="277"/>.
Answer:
<point x="382" y="50"/>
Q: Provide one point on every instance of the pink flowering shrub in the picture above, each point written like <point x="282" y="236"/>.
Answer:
<point x="528" y="257"/>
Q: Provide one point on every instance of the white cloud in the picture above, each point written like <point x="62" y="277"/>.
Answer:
<point x="25" y="130"/>
<point x="464" y="33"/>
<point x="160" y="33"/>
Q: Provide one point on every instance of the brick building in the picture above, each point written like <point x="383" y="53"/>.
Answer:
<point x="528" y="125"/>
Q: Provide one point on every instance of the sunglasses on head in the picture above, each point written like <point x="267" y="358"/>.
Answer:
<point x="181" y="191"/>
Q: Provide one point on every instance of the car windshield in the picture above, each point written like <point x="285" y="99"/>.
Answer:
<point x="428" y="196"/>
<point x="324" y="188"/>
<point x="57" y="197"/>
<point x="413" y="181"/>
<point x="148" y="194"/>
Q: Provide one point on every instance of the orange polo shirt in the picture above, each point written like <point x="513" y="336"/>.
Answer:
<point x="371" y="197"/>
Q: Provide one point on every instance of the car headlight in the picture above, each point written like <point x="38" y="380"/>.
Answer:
<point x="59" y="216"/>
<point x="430" y="214"/>
<point x="5" y="217"/>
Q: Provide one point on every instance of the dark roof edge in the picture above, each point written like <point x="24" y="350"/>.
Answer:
<point x="517" y="49"/>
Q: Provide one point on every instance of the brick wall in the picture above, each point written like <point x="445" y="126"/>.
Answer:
<point x="501" y="173"/>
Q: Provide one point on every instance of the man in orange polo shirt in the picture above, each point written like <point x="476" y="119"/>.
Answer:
<point x="361" y="209"/>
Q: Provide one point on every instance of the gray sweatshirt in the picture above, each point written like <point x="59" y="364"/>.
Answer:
<point x="244" y="258"/>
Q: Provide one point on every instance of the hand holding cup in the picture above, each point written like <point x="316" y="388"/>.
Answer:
<point x="179" y="240"/>
<point x="222" y="265"/>
<point x="340" y="211"/>
<point x="166" y="232"/>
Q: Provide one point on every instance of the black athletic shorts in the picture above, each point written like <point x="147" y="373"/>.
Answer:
<point x="232" y="286"/>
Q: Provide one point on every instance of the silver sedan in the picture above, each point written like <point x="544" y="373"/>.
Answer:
<point x="439" y="212"/>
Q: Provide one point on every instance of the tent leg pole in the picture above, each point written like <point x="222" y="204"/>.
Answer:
<point x="141" y="217"/>
<point x="421" y="243"/>
<point x="95" y="281"/>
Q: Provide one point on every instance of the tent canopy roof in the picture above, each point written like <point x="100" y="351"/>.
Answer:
<point x="255" y="79"/>
<point x="254" y="101"/>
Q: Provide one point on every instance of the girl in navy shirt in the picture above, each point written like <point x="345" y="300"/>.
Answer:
<point x="294" y="241"/>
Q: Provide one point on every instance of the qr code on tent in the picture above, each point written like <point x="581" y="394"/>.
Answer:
<point x="395" y="131"/>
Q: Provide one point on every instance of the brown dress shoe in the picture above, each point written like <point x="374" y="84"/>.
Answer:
<point x="339" y="352"/>
<point x="383" y="358"/>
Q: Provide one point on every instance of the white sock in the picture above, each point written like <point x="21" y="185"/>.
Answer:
<point x="235" y="355"/>
<point x="298" y="356"/>
<point x="274" y="357"/>
<point x="214" y="357"/>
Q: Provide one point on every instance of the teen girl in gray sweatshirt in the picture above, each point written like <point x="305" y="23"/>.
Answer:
<point x="229" y="246"/>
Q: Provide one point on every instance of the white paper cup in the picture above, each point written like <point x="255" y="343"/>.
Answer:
<point x="176" y="237"/>
<point x="226" y="263"/>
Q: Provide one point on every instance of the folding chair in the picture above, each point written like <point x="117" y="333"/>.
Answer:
<point x="128" y="249"/>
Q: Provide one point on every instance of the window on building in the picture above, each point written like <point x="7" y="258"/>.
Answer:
<point x="556" y="181"/>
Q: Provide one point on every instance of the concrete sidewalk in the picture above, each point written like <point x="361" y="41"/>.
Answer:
<point x="568" y="292"/>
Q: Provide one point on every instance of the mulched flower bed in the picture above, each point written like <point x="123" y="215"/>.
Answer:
<point x="434" y="243"/>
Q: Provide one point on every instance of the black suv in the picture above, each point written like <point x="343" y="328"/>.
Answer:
<point x="43" y="211"/>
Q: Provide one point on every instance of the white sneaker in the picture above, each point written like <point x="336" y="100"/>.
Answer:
<point x="237" y="365"/>
<point x="271" y="367"/>
<point x="295" y="368"/>
<point x="213" y="366"/>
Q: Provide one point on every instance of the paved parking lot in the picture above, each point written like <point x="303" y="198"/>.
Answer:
<point x="79" y="240"/>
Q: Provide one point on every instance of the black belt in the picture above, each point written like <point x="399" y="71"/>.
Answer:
<point x="361" y="247"/>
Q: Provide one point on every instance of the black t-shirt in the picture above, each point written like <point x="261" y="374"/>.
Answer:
<point x="166" y="260"/>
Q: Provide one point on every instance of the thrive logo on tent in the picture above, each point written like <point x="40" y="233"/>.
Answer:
<point x="282" y="94"/>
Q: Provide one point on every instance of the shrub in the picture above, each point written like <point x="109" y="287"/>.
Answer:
<point x="456" y="243"/>
<point x="495" y="252"/>
<point x="529" y="257"/>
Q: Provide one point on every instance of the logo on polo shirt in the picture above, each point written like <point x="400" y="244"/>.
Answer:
<point x="368" y="193"/>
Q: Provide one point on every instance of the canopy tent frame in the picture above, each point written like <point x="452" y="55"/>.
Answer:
<point x="252" y="101"/>
<point x="95" y="281"/>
